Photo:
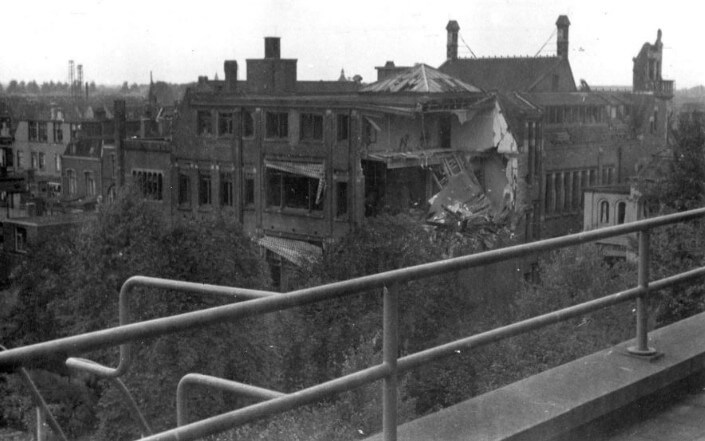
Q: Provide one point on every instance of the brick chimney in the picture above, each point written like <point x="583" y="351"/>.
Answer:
<point x="562" y="26"/>
<point x="452" y="46"/>
<point x="272" y="47"/>
<point x="230" y="68"/>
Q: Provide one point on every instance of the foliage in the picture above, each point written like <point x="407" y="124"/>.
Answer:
<point x="567" y="277"/>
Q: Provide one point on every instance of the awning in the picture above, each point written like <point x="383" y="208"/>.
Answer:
<point x="308" y="169"/>
<point x="295" y="251"/>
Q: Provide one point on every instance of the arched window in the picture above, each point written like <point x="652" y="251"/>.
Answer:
<point x="621" y="212"/>
<point x="604" y="212"/>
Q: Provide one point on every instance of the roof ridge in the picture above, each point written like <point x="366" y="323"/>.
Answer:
<point x="425" y="78"/>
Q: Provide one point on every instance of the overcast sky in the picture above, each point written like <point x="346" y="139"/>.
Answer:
<point x="124" y="40"/>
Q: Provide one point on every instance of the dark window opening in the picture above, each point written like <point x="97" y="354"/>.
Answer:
<point x="341" y="204"/>
<point x="42" y="129"/>
<point x="204" y="189"/>
<point x="58" y="133"/>
<point x="184" y="189"/>
<point x="21" y="240"/>
<point x="226" y="189"/>
<point x="34" y="160"/>
<point x="248" y="124"/>
<point x="287" y="190"/>
<point x="604" y="212"/>
<point x="33" y="130"/>
<point x="275" y="268"/>
<point x="343" y="127"/>
<point x="150" y="184"/>
<point x="444" y="131"/>
<point x="225" y="124"/>
<point x="369" y="133"/>
<point x="204" y="124"/>
<point x="621" y="212"/>
<point x="42" y="161"/>
<point x="277" y="124"/>
<point x="249" y="196"/>
<point x="311" y="126"/>
<point x="555" y="82"/>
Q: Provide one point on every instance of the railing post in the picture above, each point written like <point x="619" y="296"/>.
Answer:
<point x="390" y="354"/>
<point x="642" y="302"/>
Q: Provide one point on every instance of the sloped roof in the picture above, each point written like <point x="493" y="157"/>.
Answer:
<point x="420" y="79"/>
<point x="512" y="73"/>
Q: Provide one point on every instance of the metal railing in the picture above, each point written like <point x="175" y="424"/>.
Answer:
<point x="391" y="282"/>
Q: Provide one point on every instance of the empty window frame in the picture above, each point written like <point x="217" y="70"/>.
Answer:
<point x="20" y="239"/>
<point x="58" y="133"/>
<point x="71" y="181"/>
<point x="604" y="212"/>
<point x="226" y="189"/>
<point x="149" y="183"/>
<point x="20" y="158"/>
<point x="89" y="180"/>
<point x="225" y="124"/>
<point x="204" y="122"/>
<point x="42" y="131"/>
<point x="204" y="188"/>
<point x="277" y="124"/>
<point x="621" y="212"/>
<point x="249" y="190"/>
<point x="311" y="127"/>
<point x="248" y="124"/>
<point x="34" y="158"/>
<point x="33" y="130"/>
<point x="42" y="161"/>
<point x="342" y="127"/>
<point x="184" y="189"/>
<point x="292" y="191"/>
<point x="341" y="200"/>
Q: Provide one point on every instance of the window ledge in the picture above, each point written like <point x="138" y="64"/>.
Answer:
<point x="295" y="212"/>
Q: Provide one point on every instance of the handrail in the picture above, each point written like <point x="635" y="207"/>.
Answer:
<point x="390" y="282"/>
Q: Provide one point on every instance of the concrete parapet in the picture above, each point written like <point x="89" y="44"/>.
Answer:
<point x="564" y="398"/>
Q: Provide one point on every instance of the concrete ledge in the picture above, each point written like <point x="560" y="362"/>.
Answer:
<point x="561" y="399"/>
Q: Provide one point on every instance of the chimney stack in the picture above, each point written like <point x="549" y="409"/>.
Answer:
<point x="271" y="48"/>
<point x="562" y="26"/>
<point x="452" y="45"/>
<point x="119" y="113"/>
<point x="230" y="68"/>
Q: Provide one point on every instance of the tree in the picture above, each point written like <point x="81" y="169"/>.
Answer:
<point x="33" y="87"/>
<point x="13" y="87"/>
<point x="78" y="292"/>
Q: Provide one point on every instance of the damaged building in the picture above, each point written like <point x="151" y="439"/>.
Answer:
<point x="587" y="136"/>
<point x="299" y="163"/>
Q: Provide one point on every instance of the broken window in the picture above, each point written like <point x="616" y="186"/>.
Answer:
<point x="604" y="212"/>
<point x="42" y="131"/>
<point x="341" y="199"/>
<point x="621" y="212"/>
<point x="71" y="179"/>
<point x="248" y="124"/>
<point x="149" y="183"/>
<point x="444" y="134"/>
<point x="90" y="183"/>
<point x="295" y="185"/>
<point x="204" y="188"/>
<point x="20" y="239"/>
<point x="58" y="133"/>
<point x="226" y="189"/>
<point x="277" y="124"/>
<point x="343" y="127"/>
<point x="369" y="131"/>
<point x="249" y="190"/>
<point x="33" y="130"/>
<point x="204" y="124"/>
<point x="184" y="189"/>
<point x="225" y="124"/>
<point x="311" y="127"/>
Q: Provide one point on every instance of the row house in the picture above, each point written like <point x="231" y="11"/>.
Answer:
<point x="586" y="136"/>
